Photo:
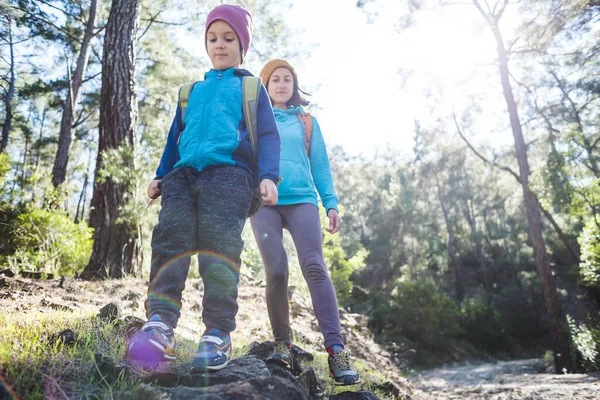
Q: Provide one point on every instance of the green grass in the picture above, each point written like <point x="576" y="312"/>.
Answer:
<point x="34" y="366"/>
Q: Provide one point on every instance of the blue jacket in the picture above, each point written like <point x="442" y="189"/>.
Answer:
<point x="215" y="133"/>
<point x="301" y="173"/>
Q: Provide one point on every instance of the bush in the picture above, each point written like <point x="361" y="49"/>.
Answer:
<point x="421" y="312"/>
<point x="587" y="343"/>
<point x="589" y="267"/>
<point x="9" y="219"/>
<point x="49" y="241"/>
<point x="482" y="323"/>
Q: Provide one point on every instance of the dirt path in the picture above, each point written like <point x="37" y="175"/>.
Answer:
<point x="521" y="379"/>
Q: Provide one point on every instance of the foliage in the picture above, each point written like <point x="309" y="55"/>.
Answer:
<point x="420" y="312"/>
<point x="4" y="167"/>
<point x="47" y="240"/>
<point x="587" y="342"/>
<point x="482" y="324"/>
<point x="341" y="266"/>
<point x="589" y="241"/>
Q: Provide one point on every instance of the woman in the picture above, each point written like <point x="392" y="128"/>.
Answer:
<point x="304" y="165"/>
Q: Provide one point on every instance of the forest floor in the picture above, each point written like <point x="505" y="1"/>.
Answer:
<point x="518" y="379"/>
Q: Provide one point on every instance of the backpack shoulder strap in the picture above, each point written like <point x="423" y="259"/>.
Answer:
<point x="183" y="99"/>
<point x="306" y="121"/>
<point x="250" y="90"/>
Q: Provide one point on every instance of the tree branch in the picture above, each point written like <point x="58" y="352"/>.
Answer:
<point x="66" y="33"/>
<point x="62" y="11"/>
<point x="485" y="160"/>
<point x="548" y="216"/>
<point x="81" y="120"/>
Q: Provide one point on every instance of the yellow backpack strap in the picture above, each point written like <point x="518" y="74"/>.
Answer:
<point x="306" y="121"/>
<point x="183" y="99"/>
<point x="250" y="90"/>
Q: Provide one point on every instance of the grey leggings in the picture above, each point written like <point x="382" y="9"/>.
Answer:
<point x="303" y="223"/>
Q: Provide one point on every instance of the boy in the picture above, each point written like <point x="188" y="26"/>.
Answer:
<point x="206" y="178"/>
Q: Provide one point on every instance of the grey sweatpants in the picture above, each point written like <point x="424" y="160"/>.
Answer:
<point x="202" y="212"/>
<point x="304" y="225"/>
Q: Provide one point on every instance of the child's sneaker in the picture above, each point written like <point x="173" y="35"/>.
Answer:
<point x="153" y="345"/>
<point x="340" y="367"/>
<point x="213" y="351"/>
<point x="282" y="355"/>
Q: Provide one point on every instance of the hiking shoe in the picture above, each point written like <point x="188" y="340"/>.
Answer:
<point x="341" y="370"/>
<point x="153" y="345"/>
<point x="282" y="355"/>
<point x="213" y="351"/>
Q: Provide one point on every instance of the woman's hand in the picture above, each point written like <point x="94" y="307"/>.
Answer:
<point x="269" y="193"/>
<point x="154" y="189"/>
<point x="334" y="221"/>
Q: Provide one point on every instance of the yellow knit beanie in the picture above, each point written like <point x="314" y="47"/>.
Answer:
<point x="272" y="65"/>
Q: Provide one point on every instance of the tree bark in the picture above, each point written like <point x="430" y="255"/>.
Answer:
<point x="563" y="360"/>
<point x="65" y="136"/>
<point x="116" y="244"/>
<point x="11" y="89"/>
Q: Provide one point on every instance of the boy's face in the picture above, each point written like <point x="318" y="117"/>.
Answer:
<point x="223" y="46"/>
<point x="281" y="86"/>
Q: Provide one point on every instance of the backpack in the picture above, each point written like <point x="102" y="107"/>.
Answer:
<point x="250" y="90"/>
<point x="306" y="121"/>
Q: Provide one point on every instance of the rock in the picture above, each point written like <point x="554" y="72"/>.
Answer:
<point x="131" y="296"/>
<point x="7" y="272"/>
<point x="37" y="275"/>
<point x="302" y="354"/>
<point x="267" y="388"/>
<point x="105" y="369"/>
<point x="239" y="369"/>
<point x="388" y="389"/>
<point x="360" y="395"/>
<point x="54" y="306"/>
<point x="246" y="377"/>
<point x="261" y="350"/>
<point x="66" y="337"/>
<point x="132" y="325"/>
<point x="109" y="312"/>
<point x="265" y="350"/>
<point x="311" y="385"/>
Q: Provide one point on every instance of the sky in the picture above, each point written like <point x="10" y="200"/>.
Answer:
<point x="356" y="72"/>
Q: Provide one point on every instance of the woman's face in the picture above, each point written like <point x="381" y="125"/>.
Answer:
<point x="281" y="86"/>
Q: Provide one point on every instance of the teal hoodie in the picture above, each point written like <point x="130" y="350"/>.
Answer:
<point x="302" y="173"/>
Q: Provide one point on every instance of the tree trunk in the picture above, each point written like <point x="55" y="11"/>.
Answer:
<point x="560" y="335"/>
<point x="11" y="89"/>
<point x="116" y="244"/>
<point x="65" y="137"/>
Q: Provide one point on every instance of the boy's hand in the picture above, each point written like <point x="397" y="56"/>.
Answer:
<point x="154" y="189"/>
<point x="334" y="221"/>
<point x="268" y="192"/>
